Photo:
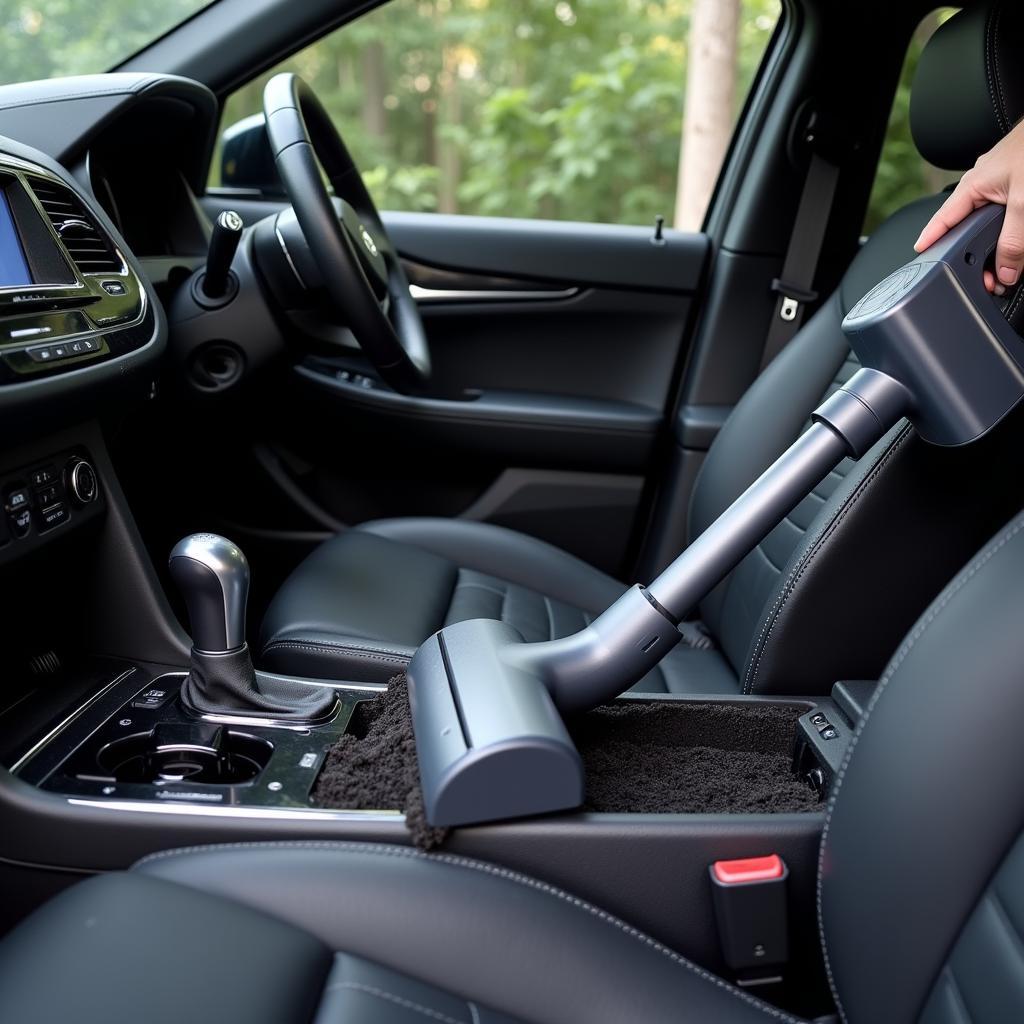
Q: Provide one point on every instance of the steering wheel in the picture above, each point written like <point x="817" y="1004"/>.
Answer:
<point x="361" y="270"/>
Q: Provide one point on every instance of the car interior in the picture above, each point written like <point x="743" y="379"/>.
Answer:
<point x="422" y="614"/>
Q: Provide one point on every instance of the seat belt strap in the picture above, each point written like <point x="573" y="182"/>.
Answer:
<point x="794" y="286"/>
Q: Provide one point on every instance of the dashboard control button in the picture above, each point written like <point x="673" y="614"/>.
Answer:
<point x="53" y="516"/>
<point x="114" y="287"/>
<point x="90" y="345"/>
<point x="21" y="522"/>
<point x="42" y="354"/>
<point x="43" y="475"/>
<point x="82" y="482"/>
<point x="48" y="495"/>
<point x="151" y="699"/>
<point x="59" y="351"/>
<point x="17" y="499"/>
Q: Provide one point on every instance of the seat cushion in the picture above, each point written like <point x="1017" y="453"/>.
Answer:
<point x="362" y="603"/>
<point x="340" y="932"/>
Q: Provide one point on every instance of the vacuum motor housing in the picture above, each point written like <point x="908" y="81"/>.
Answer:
<point x="932" y="326"/>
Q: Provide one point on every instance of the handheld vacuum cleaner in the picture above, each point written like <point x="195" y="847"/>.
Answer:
<point x="487" y="707"/>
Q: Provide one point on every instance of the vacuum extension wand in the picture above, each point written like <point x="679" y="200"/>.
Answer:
<point x="491" y="743"/>
<point x="624" y="643"/>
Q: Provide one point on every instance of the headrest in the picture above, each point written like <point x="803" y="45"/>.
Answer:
<point x="968" y="91"/>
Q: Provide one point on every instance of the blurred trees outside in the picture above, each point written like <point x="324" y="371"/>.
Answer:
<point x="46" y="38"/>
<point x="593" y="110"/>
<point x="902" y="174"/>
<point x="567" y="109"/>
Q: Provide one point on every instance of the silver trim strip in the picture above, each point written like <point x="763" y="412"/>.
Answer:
<point x="287" y="254"/>
<point x="428" y="295"/>
<point x="58" y="729"/>
<point x="265" y="813"/>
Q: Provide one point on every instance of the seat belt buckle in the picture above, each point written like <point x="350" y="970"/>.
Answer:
<point x="750" y="908"/>
<point x="792" y="299"/>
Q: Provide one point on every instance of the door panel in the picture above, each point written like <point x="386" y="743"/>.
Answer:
<point x="557" y="346"/>
<point x="615" y="255"/>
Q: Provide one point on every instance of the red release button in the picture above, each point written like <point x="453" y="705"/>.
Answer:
<point x="752" y="869"/>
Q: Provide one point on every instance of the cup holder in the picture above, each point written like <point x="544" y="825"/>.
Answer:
<point x="193" y="754"/>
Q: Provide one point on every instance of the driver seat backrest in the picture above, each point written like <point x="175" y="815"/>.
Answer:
<point x="895" y="524"/>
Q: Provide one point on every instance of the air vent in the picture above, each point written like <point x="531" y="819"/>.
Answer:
<point x="86" y="244"/>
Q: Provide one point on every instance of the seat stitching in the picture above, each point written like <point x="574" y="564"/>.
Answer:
<point x="965" y="576"/>
<point x="394" y="657"/>
<point x="391" y="997"/>
<point x="1000" y="92"/>
<point x="386" y="850"/>
<point x="989" y="26"/>
<point x="813" y="548"/>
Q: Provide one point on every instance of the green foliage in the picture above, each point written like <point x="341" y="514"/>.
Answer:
<point x="44" y="38"/>
<point x="569" y="109"/>
<point x="902" y="174"/>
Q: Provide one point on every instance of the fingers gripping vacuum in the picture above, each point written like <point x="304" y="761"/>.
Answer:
<point x="490" y="740"/>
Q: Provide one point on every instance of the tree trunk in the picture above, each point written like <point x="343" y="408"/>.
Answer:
<point x="709" y="108"/>
<point x="449" y="162"/>
<point x="374" y="86"/>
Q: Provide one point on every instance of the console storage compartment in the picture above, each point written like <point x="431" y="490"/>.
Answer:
<point x="640" y="755"/>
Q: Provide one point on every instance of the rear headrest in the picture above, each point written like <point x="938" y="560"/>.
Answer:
<point x="968" y="91"/>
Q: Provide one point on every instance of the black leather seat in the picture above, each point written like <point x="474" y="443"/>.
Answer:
<point x="360" y="605"/>
<point x="920" y="891"/>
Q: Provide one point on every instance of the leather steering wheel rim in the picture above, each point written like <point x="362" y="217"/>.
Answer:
<point x="362" y="273"/>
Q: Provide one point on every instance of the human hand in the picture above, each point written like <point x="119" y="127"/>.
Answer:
<point x="997" y="177"/>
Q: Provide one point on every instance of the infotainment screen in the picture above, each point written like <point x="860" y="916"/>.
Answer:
<point x="14" y="270"/>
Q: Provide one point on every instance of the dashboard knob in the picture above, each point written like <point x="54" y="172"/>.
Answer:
<point x="83" y="483"/>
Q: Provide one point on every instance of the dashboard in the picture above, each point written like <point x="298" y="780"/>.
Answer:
<point x="98" y="183"/>
<point x="67" y="295"/>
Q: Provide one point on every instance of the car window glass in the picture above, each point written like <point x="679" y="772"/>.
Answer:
<point x="903" y="174"/>
<point x="594" y="110"/>
<point x="48" y="38"/>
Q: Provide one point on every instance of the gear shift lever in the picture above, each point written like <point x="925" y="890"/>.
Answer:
<point x="213" y="576"/>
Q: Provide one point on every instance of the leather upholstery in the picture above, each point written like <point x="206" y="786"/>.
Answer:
<point x="969" y="76"/>
<point x="128" y="947"/>
<point x="916" y="884"/>
<point x="414" y="937"/>
<point x="903" y="514"/>
<point x="968" y="987"/>
<point x="920" y="890"/>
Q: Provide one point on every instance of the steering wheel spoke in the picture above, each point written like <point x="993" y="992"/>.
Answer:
<point x="359" y="265"/>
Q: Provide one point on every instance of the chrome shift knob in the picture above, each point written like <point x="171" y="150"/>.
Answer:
<point x="213" y="576"/>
